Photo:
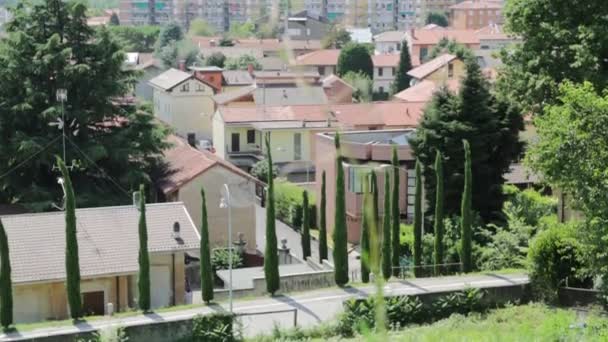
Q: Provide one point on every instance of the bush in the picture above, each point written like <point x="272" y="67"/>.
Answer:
<point x="528" y="205"/>
<point x="557" y="255"/>
<point x="288" y="203"/>
<point x="220" y="259"/>
<point x="213" y="328"/>
<point x="406" y="239"/>
<point x="259" y="170"/>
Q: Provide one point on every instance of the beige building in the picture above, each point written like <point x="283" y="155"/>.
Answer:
<point x="108" y="244"/>
<point x="438" y="70"/>
<point x="190" y="171"/>
<point x="184" y="102"/>
<point x="421" y="41"/>
<point x="475" y="14"/>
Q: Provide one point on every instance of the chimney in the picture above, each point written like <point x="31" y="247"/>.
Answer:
<point x="182" y="64"/>
<point x="250" y="69"/>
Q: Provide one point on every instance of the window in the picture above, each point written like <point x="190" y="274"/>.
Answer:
<point x="381" y="90"/>
<point x="200" y="87"/>
<point x="321" y="70"/>
<point x="250" y="136"/>
<point x="380" y="71"/>
<point x="185" y="87"/>
<point x="450" y="70"/>
<point x="358" y="176"/>
<point x="297" y="146"/>
<point x="423" y="52"/>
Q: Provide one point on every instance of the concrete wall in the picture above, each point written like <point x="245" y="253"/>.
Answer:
<point x="243" y="218"/>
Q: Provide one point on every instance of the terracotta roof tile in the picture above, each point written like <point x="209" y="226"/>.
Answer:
<point x="423" y="91"/>
<point x="319" y="57"/>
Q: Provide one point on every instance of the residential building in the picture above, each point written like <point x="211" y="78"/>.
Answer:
<point x="306" y="26"/>
<point x="389" y="42"/>
<point x="184" y="102"/>
<point x="147" y="12"/>
<point x="364" y="152"/>
<point x="475" y="14"/>
<point x="150" y="68"/>
<point x="422" y="92"/>
<point x="191" y="170"/>
<point x="337" y="90"/>
<point x="108" y="247"/>
<point x="361" y="35"/>
<point x="323" y="61"/>
<point x="236" y="79"/>
<point x="421" y="41"/>
<point x="385" y="71"/>
<point x="440" y="69"/>
<point x="258" y="48"/>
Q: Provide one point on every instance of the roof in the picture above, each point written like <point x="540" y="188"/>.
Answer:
<point x="386" y="60"/>
<point x="423" y="91"/>
<point x="319" y="57"/>
<point x="434" y="35"/>
<point x="205" y="68"/>
<point x="431" y="66"/>
<point x="255" y="43"/>
<point x="108" y="240"/>
<point x="237" y="77"/>
<point x="170" y="79"/>
<point x="272" y="63"/>
<point x="276" y="94"/>
<point x="492" y="32"/>
<point x="274" y="113"/>
<point x="478" y="4"/>
<point x="390" y="36"/>
<point x="185" y="163"/>
<point x="330" y="80"/>
<point x="233" y="95"/>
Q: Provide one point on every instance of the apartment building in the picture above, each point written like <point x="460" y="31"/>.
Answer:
<point x="476" y="14"/>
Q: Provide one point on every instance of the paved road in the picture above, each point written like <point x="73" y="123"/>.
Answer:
<point x="313" y="307"/>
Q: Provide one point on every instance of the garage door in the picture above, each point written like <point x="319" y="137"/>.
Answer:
<point x="160" y="283"/>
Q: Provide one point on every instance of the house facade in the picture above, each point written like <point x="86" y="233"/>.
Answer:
<point x="108" y="243"/>
<point x="184" y="102"/>
<point x="305" y="26"/>
<point x="443" y="68"/>
<point x="385" y="71"/>
<point x="475" y="14"/>
<point x="421" y="41"/>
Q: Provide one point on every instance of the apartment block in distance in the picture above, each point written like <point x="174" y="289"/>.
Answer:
<point x="476" y="14"/>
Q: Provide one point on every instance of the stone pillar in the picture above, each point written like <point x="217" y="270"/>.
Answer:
<point x="284" y="255"/>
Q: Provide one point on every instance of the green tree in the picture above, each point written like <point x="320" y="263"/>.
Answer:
<point x="336" y="38"/>
<point x="363" y="86"/>
<point x="356" y="58"/>
<point x="259" y="170"/>
<point x="490" y="124"/>
<point x="438" y="219"/>
<point x="446" y="45"/>
<point x="113" y="140"/>
<point x="205" y="254"/>
<point x="418" y="220"/>
<point x="395" y="213"/>
<point x="169" y="33"/>
<point x="244" y="30"/>
<point x="6" y="284"/>
<point x="114" y="21"/>
<point x="143" y="282"/>
<point x="366" y="220"/>
<point x="561" y="40"/>
<point x="323" y="222"/>
<point x="242" y="63"/>
<point x="375" y="228"/>
<point x="466" y="215"/>
<point x="339" y="235"/>
<point x="135" y="38"/>
<point x="271" y="257"/>
<point x="72" y="263"/>
<point x="177" y="52"/>
<point x="402" y="79"/>
<point x="386" y="228"/>
<point x="216" y="59"/>
<point x="437" y="18"/>
<point x="199" y="27"/>
<point x="305" y="226"/>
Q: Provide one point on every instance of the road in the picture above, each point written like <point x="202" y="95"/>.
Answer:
<point x="312" y="307"/>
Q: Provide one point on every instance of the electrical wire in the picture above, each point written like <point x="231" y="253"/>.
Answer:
<point x="30" y="158"/>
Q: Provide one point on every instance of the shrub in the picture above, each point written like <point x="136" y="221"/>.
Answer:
<point x="220" y="259"/>
<point x="259" y="170"/>
<point x="288" y="202"/>
<point x="406" y="239"/>
<point x="556" y="255"/>
<point x="528" y="205"/>
<point x="213" y="328"/>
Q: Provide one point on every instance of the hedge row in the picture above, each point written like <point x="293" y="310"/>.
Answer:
<point x="288" y="204"/>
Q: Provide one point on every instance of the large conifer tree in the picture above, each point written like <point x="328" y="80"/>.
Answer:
<point x="271" y="257"/>
<point x="323" y="222"/>
<point x="395" y="213"/>
<point x="438" y="219"/>
<point x="418" y="221"/>
<point x="305" y="226"/>
<point x="466" y="214"/>
<point x="143" y="282"/>
<point x="6" y="284"/>
<point x="365" y="233"/>
<point x="72" y="263"/>
<point x="205" y="254"/>
<point x="386" y="228"/>
<point x="402" y="79"/>
<point x="339" y="236"/>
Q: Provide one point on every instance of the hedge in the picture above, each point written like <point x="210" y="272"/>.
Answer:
<point x="288" y="203"/>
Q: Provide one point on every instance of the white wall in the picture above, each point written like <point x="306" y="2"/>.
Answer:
<point x="387" y="47"/>
<point x="385" y="80"/>
<point x="219" y="137"/>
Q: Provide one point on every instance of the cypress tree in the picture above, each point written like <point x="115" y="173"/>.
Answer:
<point x="396" y="220"/>
<point x="143" y="283"/>
<point x="271" y="257"/>
<point x="418" y="220"/>
<point x="205" y="253"/>
<point x="465" y="217"/>
<point x="339" y="236"/>
<point x="72" y="264"/>
<point x="305" y="226"/>
<point x="402" y="79"/>
<point x="438" y="213"/>
<point x="365" y="235"/>
<point x="386" y="228"/>
<point x="323" y="223"/>
<point x="375" y="228"/>
<point x="6" y="284"/>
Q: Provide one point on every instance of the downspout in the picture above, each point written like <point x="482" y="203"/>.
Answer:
<point x="173" y="277"/>
<point x="117" y="309"/>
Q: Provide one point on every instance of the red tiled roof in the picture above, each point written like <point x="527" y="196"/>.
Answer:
<point x="492" y="32"/>
<point x="319" y="57"/>
<point x="273" y="113"/>
<point x="386" y="60"/>
<point x="431" y="66"/>
<point x="423" y="91"/>
<point x="330" y="80"/>
<point x="433" y="36"/>
<point x="187" y="163"/>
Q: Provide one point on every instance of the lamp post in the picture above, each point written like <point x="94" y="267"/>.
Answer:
<point x="225" y="204"/>
<point x="62" y="95"/>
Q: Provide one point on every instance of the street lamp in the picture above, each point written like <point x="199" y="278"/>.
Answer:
<point x="225" y="204"/>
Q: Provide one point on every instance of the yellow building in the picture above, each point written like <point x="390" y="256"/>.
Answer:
<point x="108" y="243"/>
<point x="440" y="69"/>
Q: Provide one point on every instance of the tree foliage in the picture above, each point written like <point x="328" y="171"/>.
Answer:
<point x="437" y="18"/>
<point x="305" y="226"/>
<point x="242" y="63"/>
<point x="323" y="222"/>
<point x="259" y="170"/>
<point x="452" y="47"/>
<point x="560" y="40"/>
<point x="356" y="58"/>
<point x="50" y="46"/>
<point x="395" y="213"/>
<point x="135" y="38"/>
<point x="72" y="263"/>
<point x="340" y="235"/>
<point x="6" y="284"/>
<point x="386" y="228"/>
<point x="366" y="221"/>
<point x="176" y="52"/>
<point x="171" y="32"/>
<point x="439" y="214"/>
<point x="336" y="38"/>
<point x="418" y="220"/>
<point x="244" y="30"/>
<point x="114" y="21"/>
<point x="199" y="27"/>
<point x="491" y="125"/>
<point x="205" y="255"/>
<point x="363" y="86"/>
<point x="143" y="281"/>
<point x="466" y="214"/>
<point x="217" y="59"/>
<point x="402" y="79"/>
<point x="271" y="257"/>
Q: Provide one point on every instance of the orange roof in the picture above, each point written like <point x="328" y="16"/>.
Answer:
<point x="423" y="91"/>
<point x="433" y="36"/>
<point x="492" y="32"/>
<point x="319" y="57"/>
<point x="431" y="66"/>
<point x="186" y="163"/>
<point x="386" y="60"/>
<point x="332" y="79"/>
<point x="477" y="4"/>
<point x="395" y="113"/>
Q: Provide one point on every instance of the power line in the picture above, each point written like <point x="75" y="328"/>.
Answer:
<point x="30" y="157"/>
